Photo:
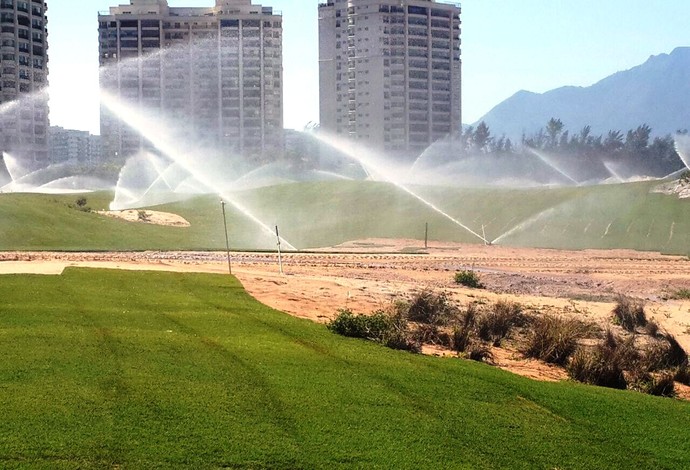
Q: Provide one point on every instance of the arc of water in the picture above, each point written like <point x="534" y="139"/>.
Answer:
<point x="676" y="174"/>
<point x="541" y="156"/>
<point x="682" y="145"/>
<point x="162" y="177"/>
<point x="524" y="224"/>
<point x="156" y="134"/>
<point x="333" y="175"/>
<point x="614" y="173"/>
<point x="371" y="162"/>
<point x="15" y="171"/>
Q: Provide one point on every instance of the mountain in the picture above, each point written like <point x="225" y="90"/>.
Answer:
<point x="656" y="93"/>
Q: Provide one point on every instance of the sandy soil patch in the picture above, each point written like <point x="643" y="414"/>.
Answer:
<point x="149" y="217"/>
<point x="368" y="274"/>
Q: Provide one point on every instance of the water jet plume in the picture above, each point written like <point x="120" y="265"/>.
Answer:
<point x="192" y="157"/>
<point x="524" y="224"/>
<point x="382" y="170"/>
<point x="549" y="162"/>
<point x="610" y="168"/>
<point x="682" y="144"/>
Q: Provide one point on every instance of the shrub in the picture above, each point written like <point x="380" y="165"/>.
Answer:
<point x="397" y="339"/>
<point x="80" y="204"/>
<point x="496" y="324"/>
<point x="479" y="351"/>
<point x="463" y="331"/>
<point x="590" y="366"/>
<point x="143" y="216"/>
<point x="661" y="385"/>
<point x="621" y="350"/>
<point x="682" y="375"/>
<point x="554" y="339"/>
<point x="430" y="333"/>
<point x="629" y="313"/>
<point x="463" y="337"/>
<point x="431" y="308"/>
<point x="468" y="278"/>
<point x="389" y="327"/>
<point x="374" y="326"/>
<point x="664" y="354"/>
<point x="604" y="363"/>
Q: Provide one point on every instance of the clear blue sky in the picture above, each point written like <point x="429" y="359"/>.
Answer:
<point x="507" y="46"/>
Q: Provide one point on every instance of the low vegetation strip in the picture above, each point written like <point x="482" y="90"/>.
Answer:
<point x="109" y="369"/>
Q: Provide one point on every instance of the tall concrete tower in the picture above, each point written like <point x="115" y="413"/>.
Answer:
<point x="390" y="72"/>
<point x="23" y="81"/>
<point x="217" y="71"/>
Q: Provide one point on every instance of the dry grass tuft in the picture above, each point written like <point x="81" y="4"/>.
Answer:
<point x="554" y="339"/>
<point x="665" y="353"/>
<point x="604" y="364"/>
<point x="661" y="385"/>
<point x="431" y="308"/>
<point x="629" y="313"/>
<point x="497" y="323"/>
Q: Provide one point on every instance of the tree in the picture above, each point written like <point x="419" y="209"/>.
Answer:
<point x="663" y="154"/>
<point x="481" y="138"/>
<point x="553" y="131"/>
<point x="613" y="142"/>
<point x="637" y="140"/>
<point x="585" y="138"/>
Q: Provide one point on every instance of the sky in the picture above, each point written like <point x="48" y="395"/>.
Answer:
<point x="507" y="46"/>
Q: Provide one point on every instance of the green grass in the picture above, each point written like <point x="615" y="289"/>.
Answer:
<point x="108" y="369"/>
<point x="324" y="214"/>
<point x="681" y="294"/>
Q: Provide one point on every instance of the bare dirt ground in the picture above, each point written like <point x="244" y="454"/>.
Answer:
<point x="368" y="274"/>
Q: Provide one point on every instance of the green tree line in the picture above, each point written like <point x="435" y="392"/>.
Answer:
<point x="636" y="148"/>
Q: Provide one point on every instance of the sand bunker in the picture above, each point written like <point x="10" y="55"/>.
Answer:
<point x="149" y="217"/>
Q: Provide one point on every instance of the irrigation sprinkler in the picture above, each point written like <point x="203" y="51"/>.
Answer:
<point x="426" y="235"/>
<point x="227" y="241"/>
<point x="280" y="257"/>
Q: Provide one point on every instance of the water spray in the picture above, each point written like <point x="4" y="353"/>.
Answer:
<point x="371" y="165"/>
<point x="156" y="134"/>
<point x="609" y="167"/>
<point x="524" y="224"/>
<point x="541" y="156"/>
<point x="227" y="240"/>
<point x="682" y="145"/>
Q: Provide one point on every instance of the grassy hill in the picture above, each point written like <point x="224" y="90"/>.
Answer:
<point x="328" y="213"/>
<point x="164" y="370"/>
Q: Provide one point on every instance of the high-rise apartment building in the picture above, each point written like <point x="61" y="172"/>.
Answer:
<point x="73" y="146"/>
<point x="390" y="72"/>
<point x="23" y="79"/>
<point x="215" y="71"/>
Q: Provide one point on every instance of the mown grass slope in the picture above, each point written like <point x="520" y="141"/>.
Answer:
<point x="108" y="369"/>
<point x="328" y="213"/>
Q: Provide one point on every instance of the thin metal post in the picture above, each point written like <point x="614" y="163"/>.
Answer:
<point x="280" y="257"/>
<point x="426" y="235"/>
<point x="227" y="240"/>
